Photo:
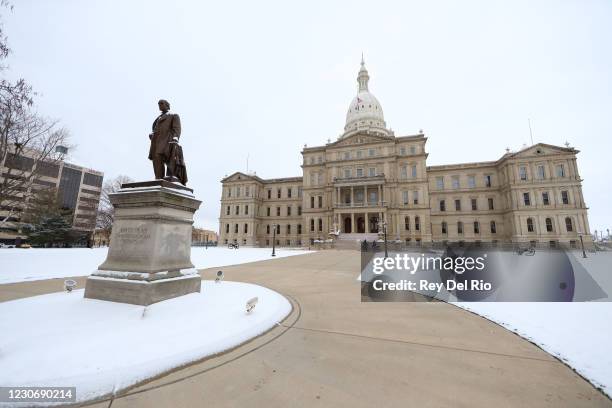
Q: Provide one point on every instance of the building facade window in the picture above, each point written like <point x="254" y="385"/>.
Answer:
<point x="457" y="205"/>
<point x="568" y="224"/>
<point x="530" y="224"/>
<point x="526" y="199"/>
<point x="407" y="223"/>
<point x="440" y="183"/>
<point x="455" y="182"/>
<point x="476" y="227"/>
<point x="490" y="201"/>
<point x="488" y="180"/>
<point x="417" y="223"/>
<point x="459" y="227"/>
<point x="549" y="225"/>
<point x="442" y="205"/>
<point x="560" y="170"/>
<point x="564" y="197"/>
<point x="493" y="227"/>
<point x="541" y="172"/>
<point x="474" y="204"/>
<point x="471" y="181"/>
<point x="523" y="173"/>
<point x="444" y="227"/>
<point x="278" y="211"/>
<point x="545" y="199"/>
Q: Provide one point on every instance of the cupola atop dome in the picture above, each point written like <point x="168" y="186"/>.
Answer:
<point x="365" y="112"/>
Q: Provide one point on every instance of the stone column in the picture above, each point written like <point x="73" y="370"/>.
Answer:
<point x="352" y="219"/>
<point x="379" y="197"/>
<point x="367" y="223"/>
<point x="352" y="197"/>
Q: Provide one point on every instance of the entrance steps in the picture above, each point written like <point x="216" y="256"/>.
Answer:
<point x="353" y="241"/>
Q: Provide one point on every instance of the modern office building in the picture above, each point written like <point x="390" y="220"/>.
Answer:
<point x="79" y="190"/>
<point x="370" y="177"/>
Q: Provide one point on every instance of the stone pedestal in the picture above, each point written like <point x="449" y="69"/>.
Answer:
<point x="150" y="246"/>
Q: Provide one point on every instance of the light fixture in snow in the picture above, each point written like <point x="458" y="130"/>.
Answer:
<point x="69" y="284"/>
<point x="219" y="277"/>
<point x="250" y="305"/>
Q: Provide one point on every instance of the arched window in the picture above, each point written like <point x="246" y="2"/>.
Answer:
<point x="529" y="224"/>
<point x="444" y="227"/>
<point x="417" y="224"/>
<point x="568" y="224"/>
<point x="407" y="223"/>
<point x="549" y="225"/>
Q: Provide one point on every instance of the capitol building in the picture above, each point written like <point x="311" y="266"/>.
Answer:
<point x="369" y="178"/>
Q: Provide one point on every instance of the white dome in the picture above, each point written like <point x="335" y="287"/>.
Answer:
<point x="365" y="112"/>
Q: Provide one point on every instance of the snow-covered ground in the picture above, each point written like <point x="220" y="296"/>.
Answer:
<point x="62" y="339"/>
<point x="18" y="265"/>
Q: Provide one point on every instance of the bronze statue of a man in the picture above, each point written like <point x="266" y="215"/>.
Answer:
<point x="165" y="152"/>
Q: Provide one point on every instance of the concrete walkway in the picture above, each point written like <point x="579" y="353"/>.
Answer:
<point x="334" y="351"/>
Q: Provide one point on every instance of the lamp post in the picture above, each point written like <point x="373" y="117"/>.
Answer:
<point x="384" y="226"/>
<point x="274" y="226"/>
<point x="584" y="255"/>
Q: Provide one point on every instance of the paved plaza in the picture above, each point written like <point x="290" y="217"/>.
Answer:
<point x="333" y="350"/>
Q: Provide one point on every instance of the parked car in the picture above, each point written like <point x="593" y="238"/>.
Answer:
<point x="7" y="245"/>
<point x="233" y="245"/>
<point x="25" y="246"/>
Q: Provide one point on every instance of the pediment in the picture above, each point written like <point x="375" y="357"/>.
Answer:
<point x="239" y="176"/>
<point x="543" y="149"/>
<point x="358" y="139"/>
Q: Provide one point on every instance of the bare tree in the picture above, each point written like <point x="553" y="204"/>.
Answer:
<point x="28" y="141"/>
<point x="106" y="211"/>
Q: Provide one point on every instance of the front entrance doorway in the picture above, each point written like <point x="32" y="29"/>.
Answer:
<point x="347" y="225"/>
<point x="360" y="225"/>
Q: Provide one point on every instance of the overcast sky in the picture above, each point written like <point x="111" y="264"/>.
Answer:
<point x="261" y="79"/>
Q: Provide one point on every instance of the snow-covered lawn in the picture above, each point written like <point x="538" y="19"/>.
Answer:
<point x="62" y="339"/>
<point x="18" y="265"/>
